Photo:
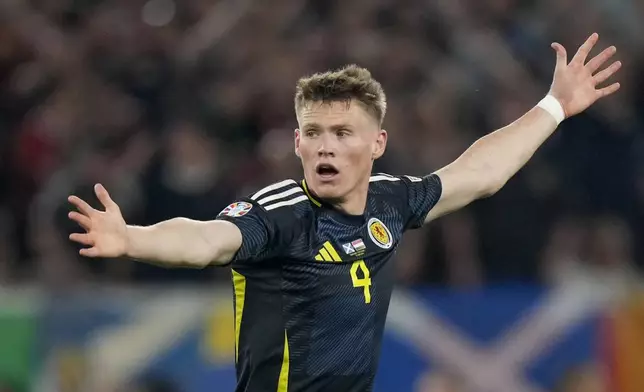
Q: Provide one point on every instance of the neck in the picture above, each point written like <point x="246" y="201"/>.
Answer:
<point x="355" y="202"/>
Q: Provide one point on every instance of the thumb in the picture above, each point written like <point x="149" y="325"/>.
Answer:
<point x="104" y="197"/>
<point x="89" y="252"/>
<point x="562" y="56"/>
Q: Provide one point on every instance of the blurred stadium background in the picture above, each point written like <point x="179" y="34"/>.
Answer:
<point x="179" y="106"/>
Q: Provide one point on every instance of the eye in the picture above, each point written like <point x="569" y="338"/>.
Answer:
<point x="343" y="132"/>
<point x="310" y="132"/>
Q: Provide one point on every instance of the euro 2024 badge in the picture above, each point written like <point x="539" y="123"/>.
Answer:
<point x="237" y="209"/>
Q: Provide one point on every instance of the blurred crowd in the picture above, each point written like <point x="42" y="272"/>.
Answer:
<point x="178" y="107"/>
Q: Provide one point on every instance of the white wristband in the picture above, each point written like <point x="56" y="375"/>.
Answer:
<point x="551" y="105"/>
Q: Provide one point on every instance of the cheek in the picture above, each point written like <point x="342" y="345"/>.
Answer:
<point x="307" y="154"/>
<point x="360" y="157"/>
<point x="305" y="148"/>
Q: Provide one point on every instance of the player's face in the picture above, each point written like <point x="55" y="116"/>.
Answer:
<point x="337" y="143"/>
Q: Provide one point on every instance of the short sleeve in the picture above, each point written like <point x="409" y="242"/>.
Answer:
<point x="422" y="195"/>
<point x="260" y="236"/>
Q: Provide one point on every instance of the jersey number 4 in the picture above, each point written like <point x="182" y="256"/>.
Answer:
<point x="365" y="281"/>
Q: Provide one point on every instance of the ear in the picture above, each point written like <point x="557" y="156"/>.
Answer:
<point x="379" y="145"/>
<point x="297" y="142"/>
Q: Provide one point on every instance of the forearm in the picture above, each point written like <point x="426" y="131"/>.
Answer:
<point x="496" y="157"/>
<point x="492" y="160"/>
<point x="177" y="242"/>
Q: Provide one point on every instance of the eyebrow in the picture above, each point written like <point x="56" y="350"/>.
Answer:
<point x="333" y="127"/>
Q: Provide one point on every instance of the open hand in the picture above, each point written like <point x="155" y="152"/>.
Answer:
<point x="575" y="84"/>
<point x="106" y="231"/>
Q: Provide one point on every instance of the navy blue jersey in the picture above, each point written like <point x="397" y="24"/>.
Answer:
<point x="312" y="285"/>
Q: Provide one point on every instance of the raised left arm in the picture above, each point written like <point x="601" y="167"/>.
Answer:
<point x="492" y="160"/>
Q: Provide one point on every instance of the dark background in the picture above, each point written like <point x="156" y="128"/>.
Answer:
<point x="179" y="107"/>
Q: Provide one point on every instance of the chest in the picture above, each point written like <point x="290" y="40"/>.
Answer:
<point x="332" y="241"/>
<point x="345" y="260"/>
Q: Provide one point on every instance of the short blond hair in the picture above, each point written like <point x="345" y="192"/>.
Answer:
<point x="343" y="85"/>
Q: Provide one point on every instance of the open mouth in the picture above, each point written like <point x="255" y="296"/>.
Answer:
<point x="326" y="170"/>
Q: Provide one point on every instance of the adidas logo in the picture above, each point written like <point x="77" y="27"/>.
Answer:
<point x="328" y="253"/>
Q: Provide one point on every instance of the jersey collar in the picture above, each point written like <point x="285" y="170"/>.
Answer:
<point x="353" y="220"/>
<point x="308" y="194"/>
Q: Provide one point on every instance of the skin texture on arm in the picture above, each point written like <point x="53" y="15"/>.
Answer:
<point x="182" y="242"/>
<point x="491" y="161"/>
<point x="177" y="242"/>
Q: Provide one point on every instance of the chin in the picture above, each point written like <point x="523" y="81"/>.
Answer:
<point x="329" y="192"/>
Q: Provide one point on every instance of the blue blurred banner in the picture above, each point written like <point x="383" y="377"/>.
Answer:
<point x="516" y="338"/>
<point x="508" y="339"/>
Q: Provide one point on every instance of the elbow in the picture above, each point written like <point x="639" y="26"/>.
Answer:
<point x="204" y="259"/>
<point x="211" y="249"/>
<point x="198" y="264"/>
<point x="491" y="186"/>
<point x="213" y="254"/>
<point x="491" y="179"/>
<point x="484" y="180"/>
<point x="191" y="262"/>
<point x="198" y="258"/>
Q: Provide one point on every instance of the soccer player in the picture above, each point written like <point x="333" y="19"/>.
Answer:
<point x="310" y="259"/>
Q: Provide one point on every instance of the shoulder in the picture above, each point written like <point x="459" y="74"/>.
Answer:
<point x="284" y="200"/>
<point x="278" y="195"/>
<point x="388" y="183"/>
<point x="388" y="178"/>
<point x="279" y="210"/>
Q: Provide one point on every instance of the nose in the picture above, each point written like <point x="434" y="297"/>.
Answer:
<point x="327" y="147"/>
